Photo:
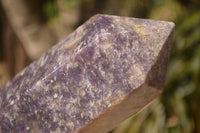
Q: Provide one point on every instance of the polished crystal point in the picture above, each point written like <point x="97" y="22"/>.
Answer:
<point x="101" y="74"/>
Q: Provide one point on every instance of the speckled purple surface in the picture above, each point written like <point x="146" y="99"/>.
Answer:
<point x="91" y="70"/>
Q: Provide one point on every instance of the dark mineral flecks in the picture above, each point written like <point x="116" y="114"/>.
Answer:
<point x="82" y="82"/>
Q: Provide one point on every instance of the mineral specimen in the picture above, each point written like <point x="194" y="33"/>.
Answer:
<point x="105" y="71"/>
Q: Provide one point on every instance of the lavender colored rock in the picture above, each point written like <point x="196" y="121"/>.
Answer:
<point x="105" y="71"/>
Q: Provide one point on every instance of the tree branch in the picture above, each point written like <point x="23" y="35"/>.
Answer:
<point x="34" y="35"/>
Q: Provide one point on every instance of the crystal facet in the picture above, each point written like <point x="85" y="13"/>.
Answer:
<point x="105" y="71"/>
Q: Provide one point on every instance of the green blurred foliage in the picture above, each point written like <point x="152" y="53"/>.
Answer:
<point x="50" y="9"/>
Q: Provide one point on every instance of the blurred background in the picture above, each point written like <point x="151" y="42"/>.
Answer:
<point x="29" y="27"/>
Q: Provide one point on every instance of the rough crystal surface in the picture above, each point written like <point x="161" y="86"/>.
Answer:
<point x="87" y="76"/>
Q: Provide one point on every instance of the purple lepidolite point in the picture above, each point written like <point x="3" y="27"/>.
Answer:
<point x="105" y="71"/>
